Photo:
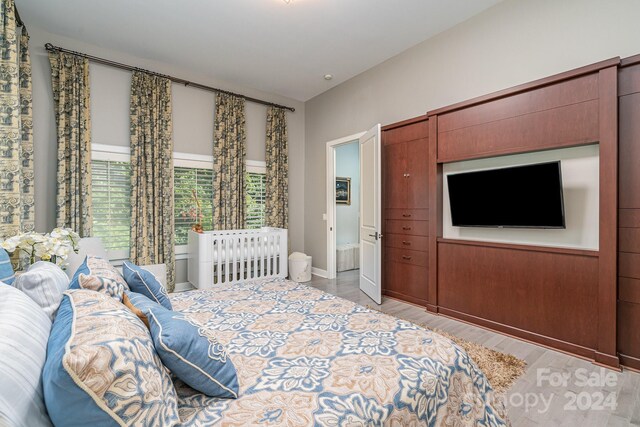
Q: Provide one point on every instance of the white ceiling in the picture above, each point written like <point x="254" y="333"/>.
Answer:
<point x="269" y="45"/>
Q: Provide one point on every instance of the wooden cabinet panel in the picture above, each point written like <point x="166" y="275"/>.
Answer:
<point x="406" y="256"/>
<point x="629" y="146"/>
<point x="628" y="330"/>
<point x="629" y="265"/>
<point x="407" y="282"/>
<point x="545" y="98"/>
<point x="414" y="228"/>
<point x="567" y="126"/>
<point x="529" y="291"/>
<point x="629" y="290"/>
<point x="416" y="243"/>
<point x="395" y="187"/>
<point x="629" y="240"/>
<point x="414" y="214"/>
<point x="417" y="154"/>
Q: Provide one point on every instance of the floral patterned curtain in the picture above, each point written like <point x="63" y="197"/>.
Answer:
<point x="70" y="83"/>
<point x="229" y="152"/>
<point x="277" y="159"/>
<point x="16" y="135"/>
<point x="152" y="233"/>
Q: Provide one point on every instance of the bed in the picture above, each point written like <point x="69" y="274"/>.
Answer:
<point x="305" y="357"/>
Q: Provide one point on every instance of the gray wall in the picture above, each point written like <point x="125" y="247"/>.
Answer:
<point x="192" y="120"/>
<point x="514" y="42"/>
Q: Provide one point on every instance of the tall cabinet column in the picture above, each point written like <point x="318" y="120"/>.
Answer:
<point x="405" y="156"/>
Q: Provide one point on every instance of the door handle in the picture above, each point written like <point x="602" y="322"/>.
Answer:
<point x="408" y="258"/>
<point x="376" y="235"/>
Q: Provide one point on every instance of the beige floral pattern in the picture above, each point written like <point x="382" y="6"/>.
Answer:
<point x="311" y="343"/>
<point x="100" y="355"/>
<point x="276" y="209"/>
<point x="372" y="376"/>
<point x="152" y="215"/>
<point x="16" y="126"/>
<point x="272" y="409"/>
<point x="370" y="322"/>
<point x="102" y="284"/>
<point x="70" y="83"/>
<point x="416" y="344"/>
<point x="277" y="322"/>
<point x="229" y="168"/>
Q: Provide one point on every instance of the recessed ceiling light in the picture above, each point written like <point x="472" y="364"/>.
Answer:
<point x="328" y="76"/>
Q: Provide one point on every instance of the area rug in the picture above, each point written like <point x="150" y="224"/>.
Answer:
<point x="501" y="369"/>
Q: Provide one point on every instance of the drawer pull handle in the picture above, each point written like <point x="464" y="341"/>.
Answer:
<point x="406" y="257"/>
<point x="404" y="242"/>
<point x="406" y="228"/>
<point x="406" y="215"/>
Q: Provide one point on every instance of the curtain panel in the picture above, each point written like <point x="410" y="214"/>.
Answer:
<point x="229" y="167"/>
<point x="152" y="227"/>
<point x="16" y="135"/>
<point x="70" y="83"/>
<point x="277" y="177"/>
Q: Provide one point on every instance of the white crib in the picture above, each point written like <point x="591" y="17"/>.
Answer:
<point x="231" y="256"/>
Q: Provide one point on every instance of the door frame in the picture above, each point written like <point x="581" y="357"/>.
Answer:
<point x="331" y="198"/>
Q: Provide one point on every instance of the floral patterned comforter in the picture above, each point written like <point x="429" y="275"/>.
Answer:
<point x="305" y="357"/>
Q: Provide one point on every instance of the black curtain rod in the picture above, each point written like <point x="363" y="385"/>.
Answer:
<point x="52" y="48"/>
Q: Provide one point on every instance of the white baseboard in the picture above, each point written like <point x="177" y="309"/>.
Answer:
<point x="184" y="286"/>
<point x="319" y="272"/>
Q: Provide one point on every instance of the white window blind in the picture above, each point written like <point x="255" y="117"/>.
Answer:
<point x="111" y="191"/>
<point x="187" y="182"/>
<point x="254" y="211"/>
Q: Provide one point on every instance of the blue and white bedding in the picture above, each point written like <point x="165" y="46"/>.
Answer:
<point x="305" y="357"/>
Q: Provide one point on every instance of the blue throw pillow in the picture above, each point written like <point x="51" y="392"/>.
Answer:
<point x="190" y="352"/>
<point x="144" y="282"/>
<point x="102" y="369"/>
<point x="6" y="269"/>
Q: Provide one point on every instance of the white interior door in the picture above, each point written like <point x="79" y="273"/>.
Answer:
<point x="370" y="215"/>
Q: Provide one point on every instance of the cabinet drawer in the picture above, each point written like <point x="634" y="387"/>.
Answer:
<point x="416" y="243"/>
<point x="407" y="282"/>
<point x="421" y="259"/>
<point x="414" y="228"/>
<point x="408" y="214"/>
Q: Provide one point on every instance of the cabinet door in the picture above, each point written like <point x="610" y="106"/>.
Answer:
<point x="417" y="155"/>
<point x="395" y="182"/>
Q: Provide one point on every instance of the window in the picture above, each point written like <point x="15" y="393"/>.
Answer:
<point x="111" y="191"/>
<point x="190" y="182"/>
<point x="254" y="210"/>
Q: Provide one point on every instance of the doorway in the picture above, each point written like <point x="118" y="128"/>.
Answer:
<point x="347" y="201"/>
<point x="343" y="204"/>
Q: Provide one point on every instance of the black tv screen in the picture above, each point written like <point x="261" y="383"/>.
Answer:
<point x="524" y="196"/>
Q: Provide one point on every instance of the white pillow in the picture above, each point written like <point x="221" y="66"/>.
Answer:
<point x="24" y="331"/>
<point x="44" y="282"/>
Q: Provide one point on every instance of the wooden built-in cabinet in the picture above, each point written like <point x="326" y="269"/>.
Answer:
<point x="628" y="339"/>
<point x="405" y="157"/>
<point x="586" y="302"/>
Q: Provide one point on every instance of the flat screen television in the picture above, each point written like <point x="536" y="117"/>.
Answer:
<point x="520" y="197"/>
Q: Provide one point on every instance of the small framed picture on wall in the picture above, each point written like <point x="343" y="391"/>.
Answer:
<point x="343" y="191"/>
